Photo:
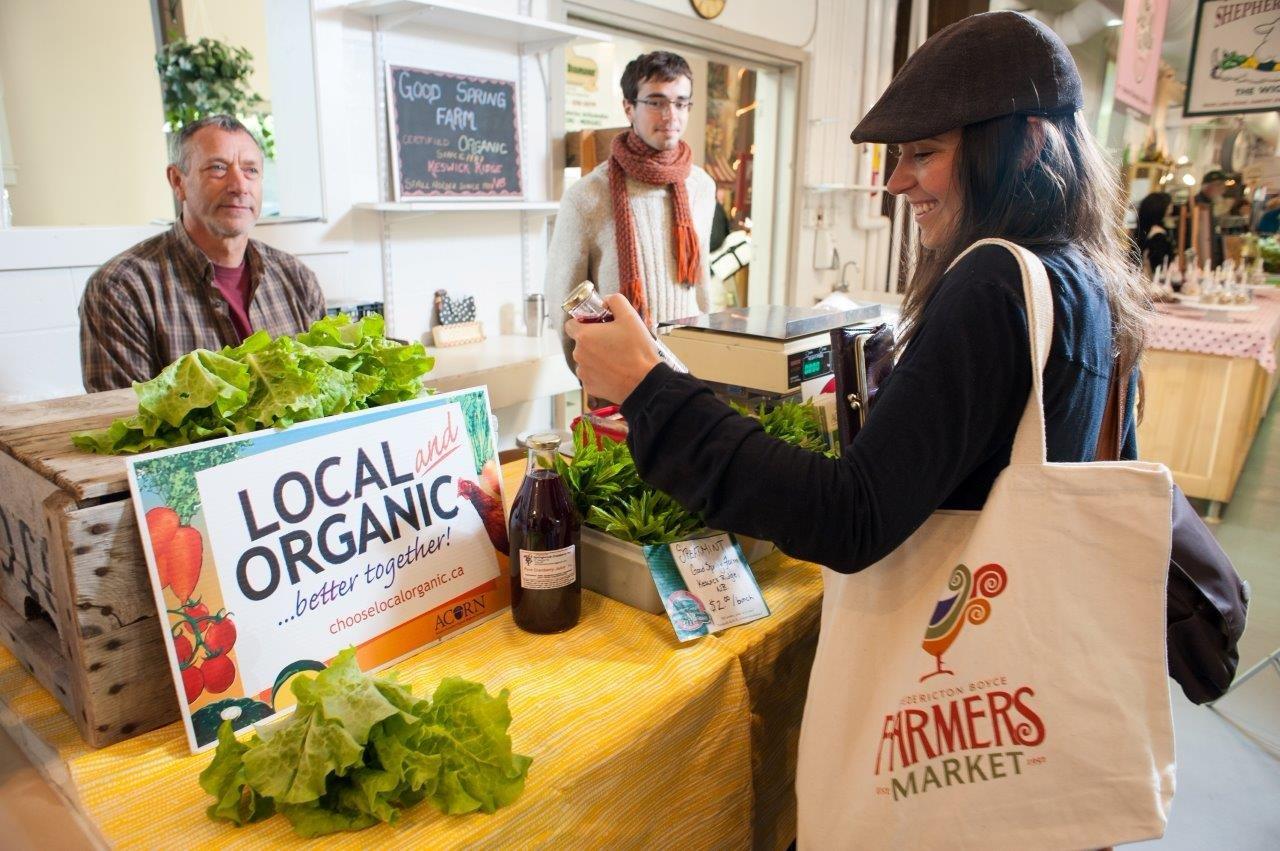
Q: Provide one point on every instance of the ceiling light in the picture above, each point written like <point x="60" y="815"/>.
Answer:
<point x="1183" y="160"/>
<point x="1115" y="22"/>
<point x="1189" y="180"/>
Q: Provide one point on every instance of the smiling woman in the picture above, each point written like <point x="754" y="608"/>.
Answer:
<point x="926" y="176"/>
<point x="55" y="178"/>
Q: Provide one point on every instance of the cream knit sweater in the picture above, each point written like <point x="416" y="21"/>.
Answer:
<point x="583" y="247"/>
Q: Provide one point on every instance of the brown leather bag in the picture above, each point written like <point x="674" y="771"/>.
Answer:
<point x="1207" y="601"/>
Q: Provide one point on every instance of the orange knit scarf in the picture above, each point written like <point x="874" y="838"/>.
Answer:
<point x="631" y="157"/>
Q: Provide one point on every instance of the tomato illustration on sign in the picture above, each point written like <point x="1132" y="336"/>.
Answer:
<point x="203" y="643"/>
<point x="219" y="672"/>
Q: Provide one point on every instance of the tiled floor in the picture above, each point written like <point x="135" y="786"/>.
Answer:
<point x="1228" y="793"/>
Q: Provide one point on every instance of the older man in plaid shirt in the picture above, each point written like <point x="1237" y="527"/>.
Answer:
<point x="202" y="284"/>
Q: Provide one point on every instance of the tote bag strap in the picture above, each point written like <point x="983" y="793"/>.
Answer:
<point x="1030" y="441"/>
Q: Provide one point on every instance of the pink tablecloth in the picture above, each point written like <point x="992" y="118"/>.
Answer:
<point x="1247" y="335"/>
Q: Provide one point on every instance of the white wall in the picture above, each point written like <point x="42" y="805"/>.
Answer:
<point x="836" y="102"/>
<point x="786" y="21"/>
<point x="239" y="23"/>
<point x="60" y="120"/>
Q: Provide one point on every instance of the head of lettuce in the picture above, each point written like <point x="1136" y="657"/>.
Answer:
<point x="335" y="366"/>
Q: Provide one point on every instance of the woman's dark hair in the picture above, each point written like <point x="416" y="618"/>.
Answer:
<point x="1065" y="194"/>
<point x="1151" y="212"/>
<point x="659" y="65"/>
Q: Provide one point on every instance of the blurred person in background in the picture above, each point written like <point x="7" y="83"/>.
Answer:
<point x="1151" y="238"/>
<point x="1212" y="188"/>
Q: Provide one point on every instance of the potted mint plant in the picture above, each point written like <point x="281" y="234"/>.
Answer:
<point x="621" y="515"/>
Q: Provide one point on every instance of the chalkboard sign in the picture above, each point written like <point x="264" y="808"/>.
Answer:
<point x="452" y="136"/>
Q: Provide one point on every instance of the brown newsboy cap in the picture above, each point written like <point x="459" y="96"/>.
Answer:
<point x="979" y="68"/>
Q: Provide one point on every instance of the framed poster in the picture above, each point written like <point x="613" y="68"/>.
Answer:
<point x="1235" y="58"/>
<point x="452" y="136"/>
<point x="271" y="552"/>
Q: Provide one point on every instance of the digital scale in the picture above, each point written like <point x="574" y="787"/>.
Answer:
<point x="764" y="351"/>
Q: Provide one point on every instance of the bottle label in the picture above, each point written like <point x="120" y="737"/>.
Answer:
<point x="543" y="571"/>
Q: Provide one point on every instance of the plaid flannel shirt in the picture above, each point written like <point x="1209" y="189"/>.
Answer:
<point x="150" y="305"/>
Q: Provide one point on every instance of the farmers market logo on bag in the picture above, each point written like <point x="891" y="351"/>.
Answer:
<point x="969" y="732"/>
<point x="968" y="603"/>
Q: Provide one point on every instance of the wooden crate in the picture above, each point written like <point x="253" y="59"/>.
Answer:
<point x="76" y="605"/>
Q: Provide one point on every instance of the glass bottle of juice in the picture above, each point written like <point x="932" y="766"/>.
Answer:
<point x="546" y="584"/>
<point x="585" y="305"/>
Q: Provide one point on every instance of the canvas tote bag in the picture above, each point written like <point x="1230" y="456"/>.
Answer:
<point x="999" y="680"/>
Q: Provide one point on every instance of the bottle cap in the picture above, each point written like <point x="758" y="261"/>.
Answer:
<point x="543" y="440"/>
<point x="580" y="294"/>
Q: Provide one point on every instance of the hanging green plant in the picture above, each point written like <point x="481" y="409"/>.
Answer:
<point x="209" y="77"/>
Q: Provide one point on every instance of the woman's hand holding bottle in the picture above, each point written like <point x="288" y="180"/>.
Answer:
<point x="613" y="357"/>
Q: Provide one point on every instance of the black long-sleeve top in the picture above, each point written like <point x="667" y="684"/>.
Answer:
<point x="941" y="431"/>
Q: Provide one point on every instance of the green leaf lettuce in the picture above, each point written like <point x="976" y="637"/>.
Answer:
<point x="357" y="750"/>
<point x="335" y="367"/>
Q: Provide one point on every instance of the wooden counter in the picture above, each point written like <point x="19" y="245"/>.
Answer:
<point x="1202" y="412"/>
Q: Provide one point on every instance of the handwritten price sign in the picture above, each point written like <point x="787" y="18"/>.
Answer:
<point x="705" y="584"/>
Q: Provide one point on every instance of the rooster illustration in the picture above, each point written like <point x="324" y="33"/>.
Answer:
<point x="486" y="497"/>
<point x="968" y="601"/>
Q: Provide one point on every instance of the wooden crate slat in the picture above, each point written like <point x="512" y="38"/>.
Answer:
<point x="122" y="685"/>
<point x="38" y="435"/>
<point x="24" y="538"/>
<point x="127" y="687"/>
<point x="37" y="647"/>
<point x="110" y="587"/>
<point x="27" y="415"/>
<point x="81" y="474"/>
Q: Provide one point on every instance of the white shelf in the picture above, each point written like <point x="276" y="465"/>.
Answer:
<point x="515" y="368"/>
<point x="547" y="207"/>
<point x="535" y="34"/>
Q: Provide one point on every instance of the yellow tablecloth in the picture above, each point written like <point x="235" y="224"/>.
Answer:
<point x="637" y="739"/>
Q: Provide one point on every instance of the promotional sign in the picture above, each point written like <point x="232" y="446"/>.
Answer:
<point x="705" y="584"/>
<point x="452" y="136"/>
<point x="1138" y="60"/>
<point x="271" y="552"/>
<point x="592" y="99"/>
<point x="1235" y="58"/>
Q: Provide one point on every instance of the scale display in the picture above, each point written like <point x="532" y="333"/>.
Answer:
<point x="811" y="363"/>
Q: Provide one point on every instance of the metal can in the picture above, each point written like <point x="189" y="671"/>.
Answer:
<point x="535" y="314"/>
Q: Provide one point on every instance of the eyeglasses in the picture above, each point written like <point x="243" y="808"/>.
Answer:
<point x="661" y="105"/>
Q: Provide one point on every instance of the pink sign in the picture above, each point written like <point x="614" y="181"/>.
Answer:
<point x="1138" y="61"/>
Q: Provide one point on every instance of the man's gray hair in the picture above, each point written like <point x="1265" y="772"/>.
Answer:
<point x="180" y="155"/>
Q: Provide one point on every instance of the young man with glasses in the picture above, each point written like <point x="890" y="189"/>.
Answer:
<point x="639" y="223"/>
